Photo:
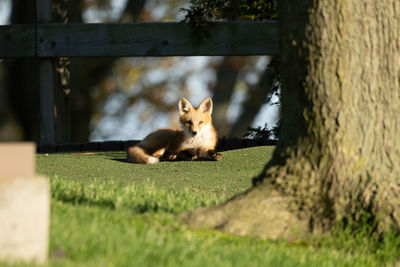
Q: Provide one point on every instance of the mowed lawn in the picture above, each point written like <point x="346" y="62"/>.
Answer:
<point x="106" y="212"/>
<point x="230" y="175"/>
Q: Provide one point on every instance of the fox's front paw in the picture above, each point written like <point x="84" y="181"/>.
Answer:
<point x="168" y="157"/>
<point x="172" y="157"/>
<point x="185" y="155"/>
<point x="213" y="155"/>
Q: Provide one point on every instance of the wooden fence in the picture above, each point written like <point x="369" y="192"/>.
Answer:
<point x="45" y="40"/>
<point x="155" y="39"/>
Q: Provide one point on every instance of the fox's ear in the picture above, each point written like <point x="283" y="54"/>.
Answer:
<point x="206" y="106"/>
<point x="184" y="106"/>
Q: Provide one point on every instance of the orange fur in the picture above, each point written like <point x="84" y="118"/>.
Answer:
<point x="196" y="138"/>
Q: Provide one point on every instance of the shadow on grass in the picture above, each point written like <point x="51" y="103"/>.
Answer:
<point x="123" y="160"/>
<point x="119" y="160"/>
<point x="82" y="200"/>
<point x="142" y="207"/>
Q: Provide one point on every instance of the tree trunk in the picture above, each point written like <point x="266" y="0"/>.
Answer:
<point x="339" y="152"/>
<point x="62" y="90"/>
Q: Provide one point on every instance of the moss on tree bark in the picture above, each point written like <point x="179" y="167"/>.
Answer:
<point x="339" y="151"/>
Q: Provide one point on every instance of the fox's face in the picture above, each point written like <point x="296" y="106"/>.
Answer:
<point x="194" y="119"/>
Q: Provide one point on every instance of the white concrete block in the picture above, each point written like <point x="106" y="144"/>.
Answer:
<point x="17" y="159"/>
<point x="24" y="219"/>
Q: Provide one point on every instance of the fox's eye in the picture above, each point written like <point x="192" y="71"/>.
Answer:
<point x="201" y="122"/>
<point x="189" y="122"/>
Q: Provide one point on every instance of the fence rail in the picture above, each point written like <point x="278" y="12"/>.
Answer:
<point x="138" y="39"/>
<point x="17" y="41"/>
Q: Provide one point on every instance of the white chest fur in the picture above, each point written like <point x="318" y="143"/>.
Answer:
<point x="204" y="138"/>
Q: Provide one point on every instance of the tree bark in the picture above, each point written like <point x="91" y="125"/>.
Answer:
<point x="62" y="90"/>
<point x="338" y="154"/>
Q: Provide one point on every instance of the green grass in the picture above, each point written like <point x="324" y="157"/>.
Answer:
<point x="230" y="175"/>
<point x="105" y="212"/>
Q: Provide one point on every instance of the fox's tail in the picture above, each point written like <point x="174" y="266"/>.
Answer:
<point x="136" y="154"/>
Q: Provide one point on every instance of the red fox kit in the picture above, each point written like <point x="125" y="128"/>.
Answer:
<point x="195" y="139"/>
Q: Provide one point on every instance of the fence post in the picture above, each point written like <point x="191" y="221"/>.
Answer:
<point x="54" y="94"/>
<point x="46" y="82"/>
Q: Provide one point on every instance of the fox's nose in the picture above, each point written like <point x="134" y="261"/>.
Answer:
<point x="194" y="132"/>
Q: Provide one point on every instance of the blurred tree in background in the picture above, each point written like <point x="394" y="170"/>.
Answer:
<point x="202" y="11"/>
<point x="125" y="98"/>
